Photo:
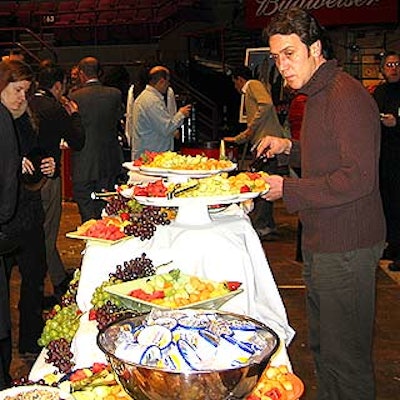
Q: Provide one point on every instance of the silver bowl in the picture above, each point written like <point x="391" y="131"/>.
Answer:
<point x="151" y="383"/>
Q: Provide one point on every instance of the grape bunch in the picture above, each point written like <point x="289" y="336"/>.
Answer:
<point x="25" y="381"/>
<point x="63" y="324"/>
<point x="140" y="267"/>
<point x="59" y="354"/>
<point x="69" y="297"/>
<point x="144" y="224"/>
<point x="120" y="204"/>
<point x="116" y="205"/>
<point x="100" y="296"/>
<point x="108" y="313"/>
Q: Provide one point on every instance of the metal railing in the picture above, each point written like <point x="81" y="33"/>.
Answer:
<point x="15" y="41"/>
<point x="207" y="116"/>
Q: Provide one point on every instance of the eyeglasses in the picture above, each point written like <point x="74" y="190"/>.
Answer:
<point x="394" y="64"/>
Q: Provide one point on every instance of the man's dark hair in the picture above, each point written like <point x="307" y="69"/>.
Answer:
<point x="49" y="74"/>
<point x="297" y="21"/>
<point x="386" y="55"/>
<point x="242" y="71"/>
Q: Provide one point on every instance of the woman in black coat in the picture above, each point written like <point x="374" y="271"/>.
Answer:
<point x="26" y="225"/>
<point x="9" y="166"/>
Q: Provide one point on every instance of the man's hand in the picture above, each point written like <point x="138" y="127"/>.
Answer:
<point x="69" y="105"/>
<point x="48" y="166"/>
<point x="185" y="110"/>
<point x="27" y="166"/>
<point x="275" y="191"/>
<point x="388" y="120"/>
<point x="271" y="146"/>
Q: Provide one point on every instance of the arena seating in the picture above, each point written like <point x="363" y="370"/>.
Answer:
<point x="85" y="20"/>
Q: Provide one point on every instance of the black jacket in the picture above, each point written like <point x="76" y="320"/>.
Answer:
<point x="55" y="124"/>
<point x="101" y="110"/>
<point x="10" y="164"/>
<point x="29" y="211"/>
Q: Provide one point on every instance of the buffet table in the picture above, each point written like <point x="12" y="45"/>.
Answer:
<point x="228" y="248"/>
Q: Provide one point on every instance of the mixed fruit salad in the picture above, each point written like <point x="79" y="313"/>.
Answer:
<point x="171" y="160"/>
<point x="215" y="185"/>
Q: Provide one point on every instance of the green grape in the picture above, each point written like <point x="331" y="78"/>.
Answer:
<point x="134" y="206"/>
<point x="64" y="324"/>
<point x="100" y="296"/>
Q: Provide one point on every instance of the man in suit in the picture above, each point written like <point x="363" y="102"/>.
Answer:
<point x="98" y="164"/>
<point x="58" y="122"/>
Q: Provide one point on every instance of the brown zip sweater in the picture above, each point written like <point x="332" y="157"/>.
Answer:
<point x="338" y="197"/>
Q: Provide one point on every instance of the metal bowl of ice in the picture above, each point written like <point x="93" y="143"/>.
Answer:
<point x="188" y="354"/>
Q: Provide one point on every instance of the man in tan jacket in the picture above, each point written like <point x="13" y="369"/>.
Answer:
<point x="262" y="120"/>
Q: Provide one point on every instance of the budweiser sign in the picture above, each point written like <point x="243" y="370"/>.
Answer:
<point x="328" y="12"/>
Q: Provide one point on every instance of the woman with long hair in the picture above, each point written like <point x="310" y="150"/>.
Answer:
<point x="26" y="226"/>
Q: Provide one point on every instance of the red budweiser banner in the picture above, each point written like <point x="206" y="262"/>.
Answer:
<point x="328" y="12"/>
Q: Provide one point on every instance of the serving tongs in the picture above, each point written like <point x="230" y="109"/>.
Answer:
<point x="180" y="188"/>
<point x="102" y="195"/>
<point x="263" y="163"/>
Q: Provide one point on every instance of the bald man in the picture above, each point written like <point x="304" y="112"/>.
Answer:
<point x="97" y="165"/>
<point x="154" y="121"/>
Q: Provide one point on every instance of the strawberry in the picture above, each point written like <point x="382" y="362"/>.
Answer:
<point x="245" y="189"/>
<point x="98" y="367"/>
<point x="253" y="175"/>
<point x="125" y="216"/>
<point x="274" y="394"/>
<point x="78" y="375"/>
<point x="92" y="314"/>
<point x="252" y="397"/>
<point x="232" y="285"/>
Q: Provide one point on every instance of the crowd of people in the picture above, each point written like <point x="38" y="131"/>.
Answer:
<point x="40" y="116"/>
<point x="340" y="142"/>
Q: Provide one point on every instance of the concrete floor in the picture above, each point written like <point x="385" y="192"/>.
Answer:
<point x="287" y="272"/>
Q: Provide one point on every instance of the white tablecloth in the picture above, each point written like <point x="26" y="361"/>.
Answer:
<point x="226" y="249"/>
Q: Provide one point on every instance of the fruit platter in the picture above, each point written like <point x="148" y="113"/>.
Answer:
<point x="193" y="197"/>
<point x="97" y="382"/>
<point x="277" y="383"/>
<point x="172" y="163"/>
<point x="133" y="288"/>
<point x="173" y="290"/>
<point x="122" y="219"/>
<point x="34" y="391"/>
<point x="108" y="230"/>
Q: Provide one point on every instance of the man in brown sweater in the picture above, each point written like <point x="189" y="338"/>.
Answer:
<point x="338" y="201"/>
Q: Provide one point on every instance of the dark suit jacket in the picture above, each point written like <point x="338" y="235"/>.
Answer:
<point x="101" y="109"/>
<point x="10" y="165"/>
<point x="56" y="124"/>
